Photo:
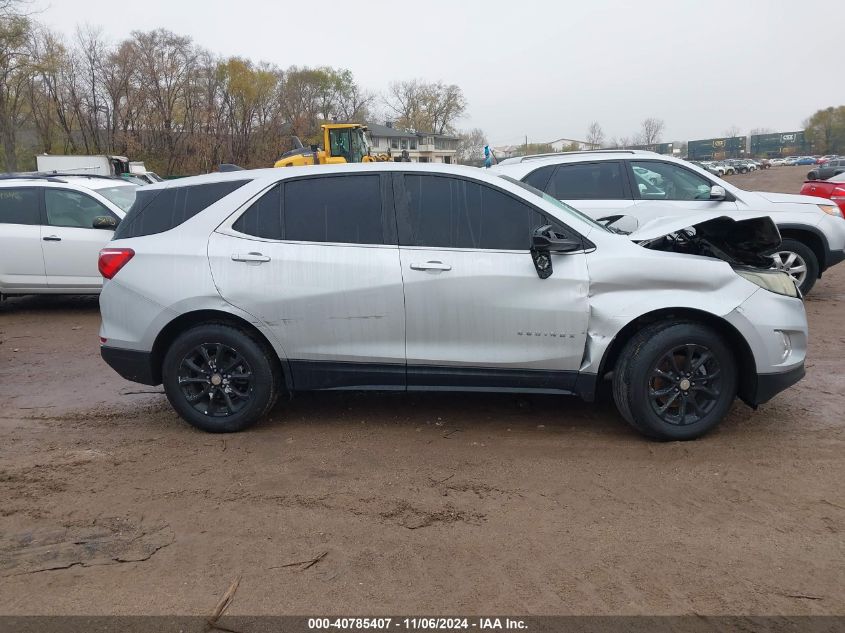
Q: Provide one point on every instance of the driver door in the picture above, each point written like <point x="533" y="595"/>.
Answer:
<point x="477" y="316"/>
<point x="70" y="243"/>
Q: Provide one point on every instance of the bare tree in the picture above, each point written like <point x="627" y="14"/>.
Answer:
<point x="471" y="146"/>
<point x="595" y="135"/>
<point x="425" y="107"/>
<point x="15" y="70"/>
<point x="732" y="131"/>
<point x="652" y="131"/>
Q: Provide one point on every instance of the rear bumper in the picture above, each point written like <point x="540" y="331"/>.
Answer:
<point x="769" y="385"/>
<point x="133" y="365"/>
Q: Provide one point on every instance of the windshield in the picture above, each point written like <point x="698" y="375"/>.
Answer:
<point x="560" y="205"/>
<point x="122" y="196"/>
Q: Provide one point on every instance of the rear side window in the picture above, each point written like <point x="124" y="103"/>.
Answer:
<point x="19" y="206"/>
<point x="446" y="212"/>
<point x="588" y="181"/>
<point x="539" y="178"/>
<point x="160" y="210"/>
<point x="263" y="218"/>
<point x="343" y="209"/>
<point x="340" y="209"/>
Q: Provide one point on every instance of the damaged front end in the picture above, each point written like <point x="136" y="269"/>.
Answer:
<point x="746" y="244"/>
<point x="749" y="242"/>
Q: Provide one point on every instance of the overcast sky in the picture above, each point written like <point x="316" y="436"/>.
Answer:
<point x="541" y="68"/>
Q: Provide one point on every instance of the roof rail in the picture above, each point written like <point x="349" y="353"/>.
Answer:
<point x="583" y="151"/>
<point x="13" y="176"/>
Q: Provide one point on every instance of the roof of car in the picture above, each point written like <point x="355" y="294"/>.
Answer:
<point x="89" y="181"/>
<point x="277" y="173"/>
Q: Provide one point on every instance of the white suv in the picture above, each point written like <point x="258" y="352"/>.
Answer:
<point x="231" y="288"/>
<point x="610" y="182"/>
<point x="52" y="229"/>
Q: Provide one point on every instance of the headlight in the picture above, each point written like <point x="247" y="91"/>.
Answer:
<point x="831" y="209"/>
<point x="772" y="280"/>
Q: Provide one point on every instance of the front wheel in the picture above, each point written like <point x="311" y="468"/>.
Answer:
<point x="675" y="381"/>
<point x="811" y="175"/>
<point x="219" y="379"/>
<point x="800" y="262"/>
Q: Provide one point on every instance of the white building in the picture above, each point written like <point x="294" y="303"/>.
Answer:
<point x="422" y="147"/>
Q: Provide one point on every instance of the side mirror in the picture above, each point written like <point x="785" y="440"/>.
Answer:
<point x="105" y="222"/>
<point x="718" y="192"/>
<point x="544" y="242"/>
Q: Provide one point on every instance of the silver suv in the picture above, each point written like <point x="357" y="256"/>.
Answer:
<point x="233" y="288"/>
<point x="649" y="185"/>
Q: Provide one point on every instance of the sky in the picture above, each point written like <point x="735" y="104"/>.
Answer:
<point x="538" y="68"/>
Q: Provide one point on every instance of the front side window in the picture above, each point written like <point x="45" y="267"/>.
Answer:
<point x="123" y="196"/>
<point x="72" y="209"/>
<point x="19" y="206"/>
<point x="588" y="181"/>
<point x="664" y="181"/>
<point x="446" y="212"/>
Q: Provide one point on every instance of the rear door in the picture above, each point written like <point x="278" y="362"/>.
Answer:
<point x="316" y="260"/>
<point x="598" y="188"/>
<point x="70" y="242"/>
<point x="21" y="260"/>
<point x="664" y="189"/>
<point x="477" y="314"/>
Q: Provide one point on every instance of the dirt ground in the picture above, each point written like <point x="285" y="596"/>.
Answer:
<point x="421" y="504"/>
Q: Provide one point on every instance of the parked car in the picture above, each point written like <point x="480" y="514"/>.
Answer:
<point x="831" y="189"/>
<point x="832" y="167"/>
<point x="52" y="229"/>
<point x="713" y="169"/>
<point x="823" y="159"/>
<point x="764" y="163"/>
<point x="806" y="160"/>
<point x="416" y="277"/>
<point x="777" y="162"/>
<point x="790" y="161"/>
<point x="603" y="183"/>
<point x="727" y="168"/>
<point x="741" y="166"/>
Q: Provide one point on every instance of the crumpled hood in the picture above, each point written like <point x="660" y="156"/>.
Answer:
<point x="787" y="197"/>
<point x="749" y="240"/>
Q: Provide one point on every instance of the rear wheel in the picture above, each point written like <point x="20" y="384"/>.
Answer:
<point x="675" y="381"/>
<point x="799" y="261"/>
<point x="219" y="379"/>
<point x="811" y="175"/>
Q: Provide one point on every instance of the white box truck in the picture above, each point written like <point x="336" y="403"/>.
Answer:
<point x="94" y="165"/>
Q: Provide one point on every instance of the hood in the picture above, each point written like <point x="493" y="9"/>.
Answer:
<point x="748" y="241"/>
<point x="787" y="197"/>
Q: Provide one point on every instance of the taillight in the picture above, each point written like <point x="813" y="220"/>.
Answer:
<point x="112" y="260"/>
<point x="838" y="194"/>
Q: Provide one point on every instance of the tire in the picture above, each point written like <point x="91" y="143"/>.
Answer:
<point x="196" y="358"/>
<point x="803" y="253"/>
<point x="811" y="175"/>
<point x="743" y="170"/>
<point x="638" y="390"/>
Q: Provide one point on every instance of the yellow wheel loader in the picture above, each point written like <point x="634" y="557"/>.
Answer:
<point x="342" y="143"/>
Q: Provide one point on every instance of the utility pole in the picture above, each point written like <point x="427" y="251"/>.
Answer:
<point x="526" y="145"/>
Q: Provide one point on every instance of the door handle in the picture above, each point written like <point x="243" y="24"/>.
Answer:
<point x="432" y="265"/>
<point x="51" y="238"/>
<point x="250" y="257"/>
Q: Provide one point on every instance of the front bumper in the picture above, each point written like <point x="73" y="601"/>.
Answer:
<point x="770" y="385"/>
<point x="133" y="365"/>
